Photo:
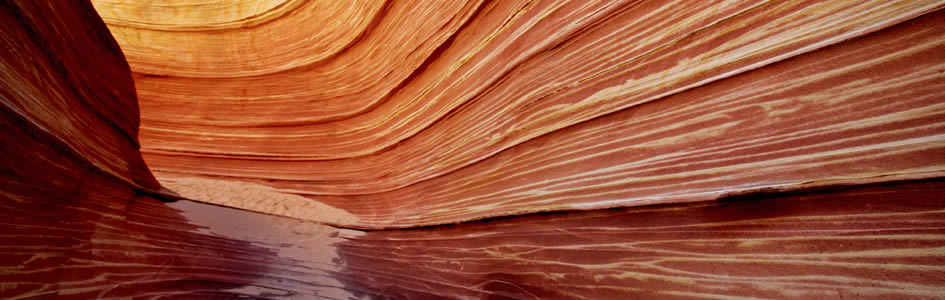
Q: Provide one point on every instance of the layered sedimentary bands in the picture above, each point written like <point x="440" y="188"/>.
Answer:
<point x="773" y="149"/>
<point x="402" y="113"/>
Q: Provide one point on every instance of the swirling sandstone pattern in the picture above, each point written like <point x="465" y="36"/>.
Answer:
<point x="873" y="242"/>
<point x="396" y="114"/>
<point x="52" y="82"/>
<point x="79" y="218"/>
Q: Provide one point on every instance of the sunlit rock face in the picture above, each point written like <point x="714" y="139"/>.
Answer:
<point x="395" y="114"/>
<point x="818" y="125"/>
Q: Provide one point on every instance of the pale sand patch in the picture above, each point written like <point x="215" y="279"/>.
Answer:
<point x="258" y="198"/>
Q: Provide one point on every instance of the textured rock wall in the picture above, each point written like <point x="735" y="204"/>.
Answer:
<point x="876" y="242"/>
<point x="71" y="177"/>
<point x="395" y="114"/>
<point x="66" y="92"/>
<point x="78" y="219"/>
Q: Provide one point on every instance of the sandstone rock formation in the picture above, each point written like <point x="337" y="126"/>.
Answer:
<point x="787" y="149"/>
<point x="399" y="114"/>
<point x="54" y="87"/>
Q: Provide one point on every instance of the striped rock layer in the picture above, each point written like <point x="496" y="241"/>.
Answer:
<point x="376" y="114"/>
<point x="815" y="157"/>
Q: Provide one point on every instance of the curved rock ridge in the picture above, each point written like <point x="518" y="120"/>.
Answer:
<point x="79" y="98"/>
<point x="876" y="242"/>
<point x="194" y="15"/>
<point x="421" y="113"/>
<point x="78" y="219"/>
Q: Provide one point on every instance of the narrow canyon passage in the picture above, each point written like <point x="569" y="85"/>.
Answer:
<point x="472" y="149"/>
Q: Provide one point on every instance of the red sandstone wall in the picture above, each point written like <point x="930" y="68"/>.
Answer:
<point x="75" y="225"/>
<point x="396" y="114"/>
<point x="67" y="80"/>
<point x="71" y="175"/>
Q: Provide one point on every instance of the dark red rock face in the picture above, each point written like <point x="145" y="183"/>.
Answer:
<point x="65" y="76"/>
<point x="798" y="153"/>
<point x="863" y="242"/>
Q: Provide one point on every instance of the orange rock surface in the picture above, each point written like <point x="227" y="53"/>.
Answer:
<point x="806" y="138"/>
<point x="397" y="114"/>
